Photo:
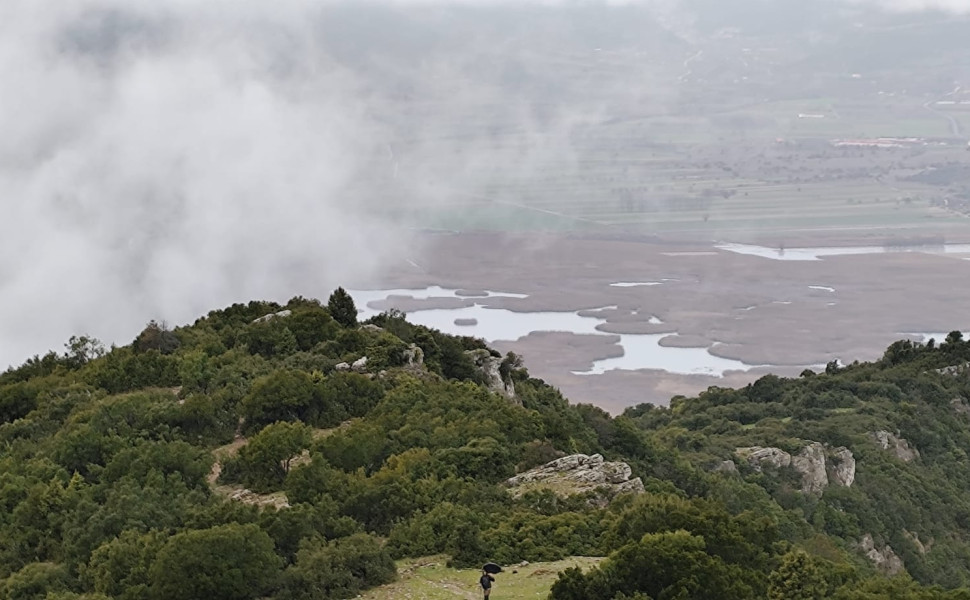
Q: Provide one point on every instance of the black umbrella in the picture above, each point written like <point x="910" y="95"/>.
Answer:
<point x="491" y="568"/>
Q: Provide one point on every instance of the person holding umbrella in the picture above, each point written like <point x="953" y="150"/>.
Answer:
<point x="486" y="579"/>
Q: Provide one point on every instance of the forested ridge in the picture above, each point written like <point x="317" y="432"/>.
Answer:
<point x="255" y="454"/>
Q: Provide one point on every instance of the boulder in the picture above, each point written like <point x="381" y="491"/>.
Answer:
<point x="414" y="356"/>
<point x="633" y="486"/>
<point x="758" y="456"/>
<point x="359" y="365"/>
<point x="271" y="316"/>
<point x="884" y="559"/>
<point x="960" y="406"/>
<point x="371" y="328"/>
<point x="576" y="474"/>
<point x="842" y="467"/>
<point x="727" y="467"/>
<point x="246" y="496"/>
<point x="961" y="369"/>
<point x="810" y="462"/>
<point x="489" y="366"/>
<point x="898" y="446"/>
<point x="342" y="366"/>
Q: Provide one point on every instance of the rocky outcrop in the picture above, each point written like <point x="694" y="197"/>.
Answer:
<point x="370" y="327"/>
<point x="922" y="547"/>
<point x="758" y="456"/>
<point x="811" y="462"/>
<point x="246" y="496"/>
<point x="960" y="406"/>
<point x="414" y="356"/>
<point x="489" y="366"/>
<point x="842" y="467"/>
<point x="898" y="446"/>
<point x="727" y="466"/>
<point x="885" y="559"/>
<point x="358" y="366"/>
<point x="271" y="316"/>
<point x="576" y="474"/>
<point x="955" y="369"/>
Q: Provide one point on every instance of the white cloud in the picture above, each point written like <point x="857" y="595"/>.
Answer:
<point x="203" y="160"/>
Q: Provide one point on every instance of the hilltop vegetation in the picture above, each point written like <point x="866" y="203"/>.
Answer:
<point x="110" y="486"/>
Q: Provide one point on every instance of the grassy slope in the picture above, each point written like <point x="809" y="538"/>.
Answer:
<point x="429" y="579"/>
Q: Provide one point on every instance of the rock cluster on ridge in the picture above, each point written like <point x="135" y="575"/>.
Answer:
<point x="884" y="559"/>
<point x="489" y="366"/>
<point x="898" y="446"/>
<point x="576" y="474"/>
<point x="818" y="465"/>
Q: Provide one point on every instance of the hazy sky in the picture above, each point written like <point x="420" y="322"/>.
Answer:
<point x="159" y="159"/>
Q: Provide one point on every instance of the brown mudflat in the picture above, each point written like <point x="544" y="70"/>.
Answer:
<point x="756" y="310"/>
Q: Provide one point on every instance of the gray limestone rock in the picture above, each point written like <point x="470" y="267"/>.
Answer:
<point x="885" y="559"/>
<point x="810" y="462"/>
<point x="960" y="406"/>
<point x="414" y="356"/>
<point x="579" y="473"/>
<point x="842" y="467"/>
<point x="758" y="456"/>
<point x="271" y="316"/>
<point x="898" y="446"/>
<point x="489" y="366"/>
<point x="817" y="464"/>
<point x="962" y="369"/>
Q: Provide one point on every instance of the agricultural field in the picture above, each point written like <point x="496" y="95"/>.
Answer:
<point x="738" y="136"/>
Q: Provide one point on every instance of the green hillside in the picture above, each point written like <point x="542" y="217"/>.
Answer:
<point x="256" y="454"/>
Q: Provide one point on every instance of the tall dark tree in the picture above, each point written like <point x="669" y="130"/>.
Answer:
<point x="342" y="307"/>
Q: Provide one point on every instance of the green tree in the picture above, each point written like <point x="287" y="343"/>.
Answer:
<point x="338" y="569"/>
<point x="342" y="308"/>
<point x="265" y="460"/>
<point x="81" y="350"/>
<point x="195" y="371"/>
<point x="310" y="326"/>
<point x="798" y="578"/>
<point x="665" y="565"/>
<point x="227" y="562"/>
<point x="16" y="400"/>
<point x="34" y="581"/>
<point x="156" y="336"/>
<point x="283" y="395"/>
<point x="120" y="567"/>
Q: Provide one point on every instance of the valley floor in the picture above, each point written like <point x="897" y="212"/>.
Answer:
<point x="789" y="314"/>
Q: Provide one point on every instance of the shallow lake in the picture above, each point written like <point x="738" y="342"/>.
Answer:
<point x="642" y="351"/>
